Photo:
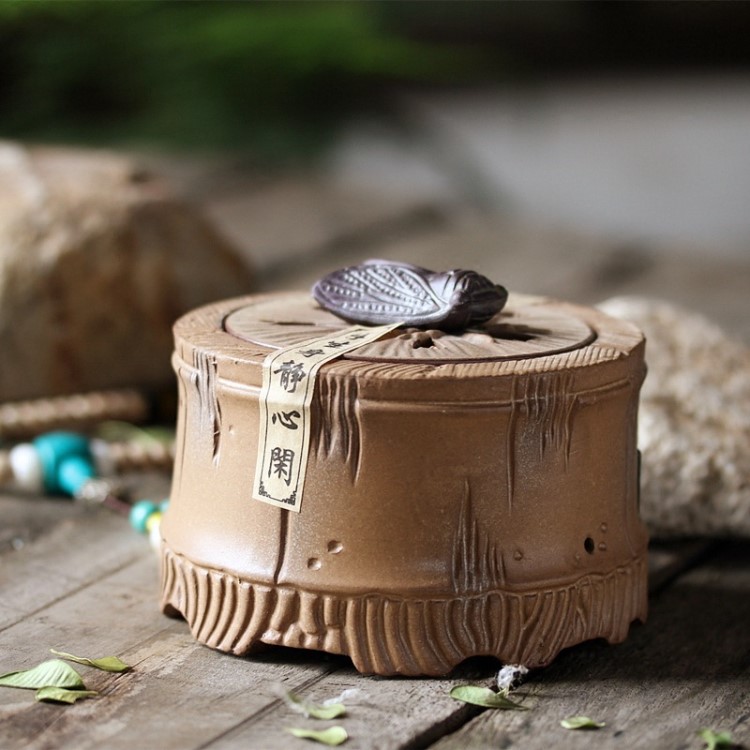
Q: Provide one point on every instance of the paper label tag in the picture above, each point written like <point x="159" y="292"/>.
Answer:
<point x="288" y="385"/>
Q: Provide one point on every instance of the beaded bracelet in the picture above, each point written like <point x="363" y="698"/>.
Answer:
<point x="74" y="465"/>
<point x="21" y="419"/>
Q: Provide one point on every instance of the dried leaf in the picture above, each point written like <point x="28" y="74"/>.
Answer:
<point x="581" y="722"/>
<point x="325" y="712"/>
<point x="52" y="673"/>
<point x="715" y="740"/>
<point x="483" y="696"/>
<point x="52" y="694"/>
<point x="332" y="736"/>
<point x="105" y="663"/>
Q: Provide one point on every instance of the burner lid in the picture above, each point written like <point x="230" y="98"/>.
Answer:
<point x="522" y="330"/>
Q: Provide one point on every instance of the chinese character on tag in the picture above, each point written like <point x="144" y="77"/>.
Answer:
<point x="291" y="374"/>
<point x="286" y="419"/>
<point x="281" y="464"/>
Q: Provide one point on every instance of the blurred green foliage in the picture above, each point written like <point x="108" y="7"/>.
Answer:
<point x="274" y="78"/>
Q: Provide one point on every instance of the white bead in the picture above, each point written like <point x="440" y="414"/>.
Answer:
<point x="27" y="467"/>
<point x="154" y="537"/>
<point x="103" y="459"/>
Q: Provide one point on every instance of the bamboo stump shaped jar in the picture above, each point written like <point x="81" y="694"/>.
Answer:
<point x="469" y="493"/>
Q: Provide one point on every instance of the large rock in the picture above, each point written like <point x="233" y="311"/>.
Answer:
<point x="97" y="260"/>
<point x="694" y="422"/>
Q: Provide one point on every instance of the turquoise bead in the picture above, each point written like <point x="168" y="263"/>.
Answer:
<point x="57" y="448"/>
<point x="73" y="472"/>
<point x="139" y="514"/>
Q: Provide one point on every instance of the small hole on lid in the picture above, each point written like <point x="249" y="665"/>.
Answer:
<point x="422" y="340"/>
<point x="588" y="545"/>
<point x="515" y="331"/>
<point x="517" y="336"/>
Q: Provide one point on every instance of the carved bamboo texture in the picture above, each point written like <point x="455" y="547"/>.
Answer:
<point x="387" y="635"/>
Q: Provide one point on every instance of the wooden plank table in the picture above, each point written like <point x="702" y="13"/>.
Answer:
<point x="85" y="583"/>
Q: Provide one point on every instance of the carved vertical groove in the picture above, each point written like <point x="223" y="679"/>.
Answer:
<point x="284" y="532"/>
<point x="477" y="564"/>
<point x="335" y="404"/>
<point x="222" y="617"/>
<point x="510" y="444"/>
<point x="204" y="379"/>
<point x="181" y="436"/>
<point x="549" y="401"/>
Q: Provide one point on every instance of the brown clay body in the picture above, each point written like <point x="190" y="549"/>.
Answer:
<point x="466" y="494"/>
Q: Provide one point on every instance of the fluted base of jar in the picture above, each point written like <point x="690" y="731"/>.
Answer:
<point x="389" y="635"/>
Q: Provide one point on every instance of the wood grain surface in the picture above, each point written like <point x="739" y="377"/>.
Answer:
<point x="90" y="586"/>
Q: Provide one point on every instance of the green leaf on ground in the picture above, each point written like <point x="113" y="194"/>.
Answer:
<point x="715" y="740"/>
<point x="332" y="736"/>
<point x="52" y="673"/>
<point x="581" y="722"/>
<point x="106" y="663"/>
<point x="52" y="694"/>
<point x="483" y="696"/>
<point x="324" y="712"/>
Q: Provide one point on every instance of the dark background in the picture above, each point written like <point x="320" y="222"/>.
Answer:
<point x="277" y="79"/>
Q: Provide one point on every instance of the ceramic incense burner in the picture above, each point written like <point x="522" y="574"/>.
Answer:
<point x="472" y="492"/>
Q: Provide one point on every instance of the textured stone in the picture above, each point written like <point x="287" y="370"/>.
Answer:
<point x="97" y="259"/>
<point x="694" y="422"/>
